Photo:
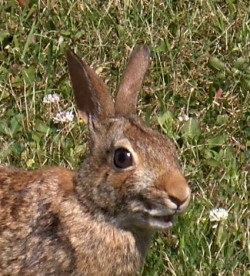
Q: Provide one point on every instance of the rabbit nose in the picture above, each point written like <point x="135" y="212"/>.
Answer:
<point x="177" y="189"/>
<point x="177" y="201"/>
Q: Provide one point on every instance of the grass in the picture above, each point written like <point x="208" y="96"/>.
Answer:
<point x="200" y="69"/>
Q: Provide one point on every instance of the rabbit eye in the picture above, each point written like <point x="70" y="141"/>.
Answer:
<point x="123" y="158"/>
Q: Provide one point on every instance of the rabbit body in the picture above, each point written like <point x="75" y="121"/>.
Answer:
<point x="45" y="231"/>
<point x="100" y="219"/>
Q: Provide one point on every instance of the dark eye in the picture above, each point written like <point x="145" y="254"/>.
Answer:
<point x="123" y="158"/>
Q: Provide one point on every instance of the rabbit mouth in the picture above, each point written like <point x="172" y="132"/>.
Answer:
<point x="160" y="219"/>
<point x="161" y="222"/>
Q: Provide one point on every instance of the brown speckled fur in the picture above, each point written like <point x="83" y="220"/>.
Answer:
<point x="100" y="219"/>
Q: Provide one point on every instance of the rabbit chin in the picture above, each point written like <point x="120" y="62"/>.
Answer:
<point x="144" y="222"/>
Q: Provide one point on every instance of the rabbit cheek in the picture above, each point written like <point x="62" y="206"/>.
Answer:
<point x="117" y="180"/>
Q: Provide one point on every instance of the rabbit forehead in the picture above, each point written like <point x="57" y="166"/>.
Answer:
<point x="151" y="146"/>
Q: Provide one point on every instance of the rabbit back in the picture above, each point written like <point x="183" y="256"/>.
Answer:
<point x="29" y="226"/>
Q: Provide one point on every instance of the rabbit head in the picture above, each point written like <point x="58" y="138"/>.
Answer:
<point x="131" y="177"/>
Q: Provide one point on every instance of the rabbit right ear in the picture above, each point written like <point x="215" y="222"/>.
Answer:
<point x="126" y="98"/>
<point x="91" y="94"/>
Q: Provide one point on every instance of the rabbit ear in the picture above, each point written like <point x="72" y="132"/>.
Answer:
<point x="91" y="93"/>
<point x="132" y="79"/>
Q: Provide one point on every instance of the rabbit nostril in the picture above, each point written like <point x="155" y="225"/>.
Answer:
<point x="177" y="201"/>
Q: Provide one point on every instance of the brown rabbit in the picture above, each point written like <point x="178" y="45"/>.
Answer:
<point x="100" y="219"/>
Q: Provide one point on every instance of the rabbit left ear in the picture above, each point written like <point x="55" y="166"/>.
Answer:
<point x="132" y="79"/>
<point x="91" y="93"/>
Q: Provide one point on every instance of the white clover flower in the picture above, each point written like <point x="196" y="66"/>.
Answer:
<point x="218" y="214"/>
<point x="60" y="40"/>
<point x="51" y="98"/>
<point x="64" y="117"/>
<point x="183" y="118"/>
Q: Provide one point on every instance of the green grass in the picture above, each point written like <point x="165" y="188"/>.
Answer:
<point x="200" y="50"/>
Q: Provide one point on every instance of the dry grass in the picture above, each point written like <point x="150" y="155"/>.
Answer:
<point x="201" y="69"/>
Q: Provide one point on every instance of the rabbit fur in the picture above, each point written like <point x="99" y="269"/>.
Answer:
<point x="98" y="220"/>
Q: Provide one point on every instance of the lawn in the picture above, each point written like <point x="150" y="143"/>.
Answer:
<point x="196" y="92"/>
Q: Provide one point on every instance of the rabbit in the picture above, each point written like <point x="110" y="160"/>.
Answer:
<point x="100" y="219"/>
